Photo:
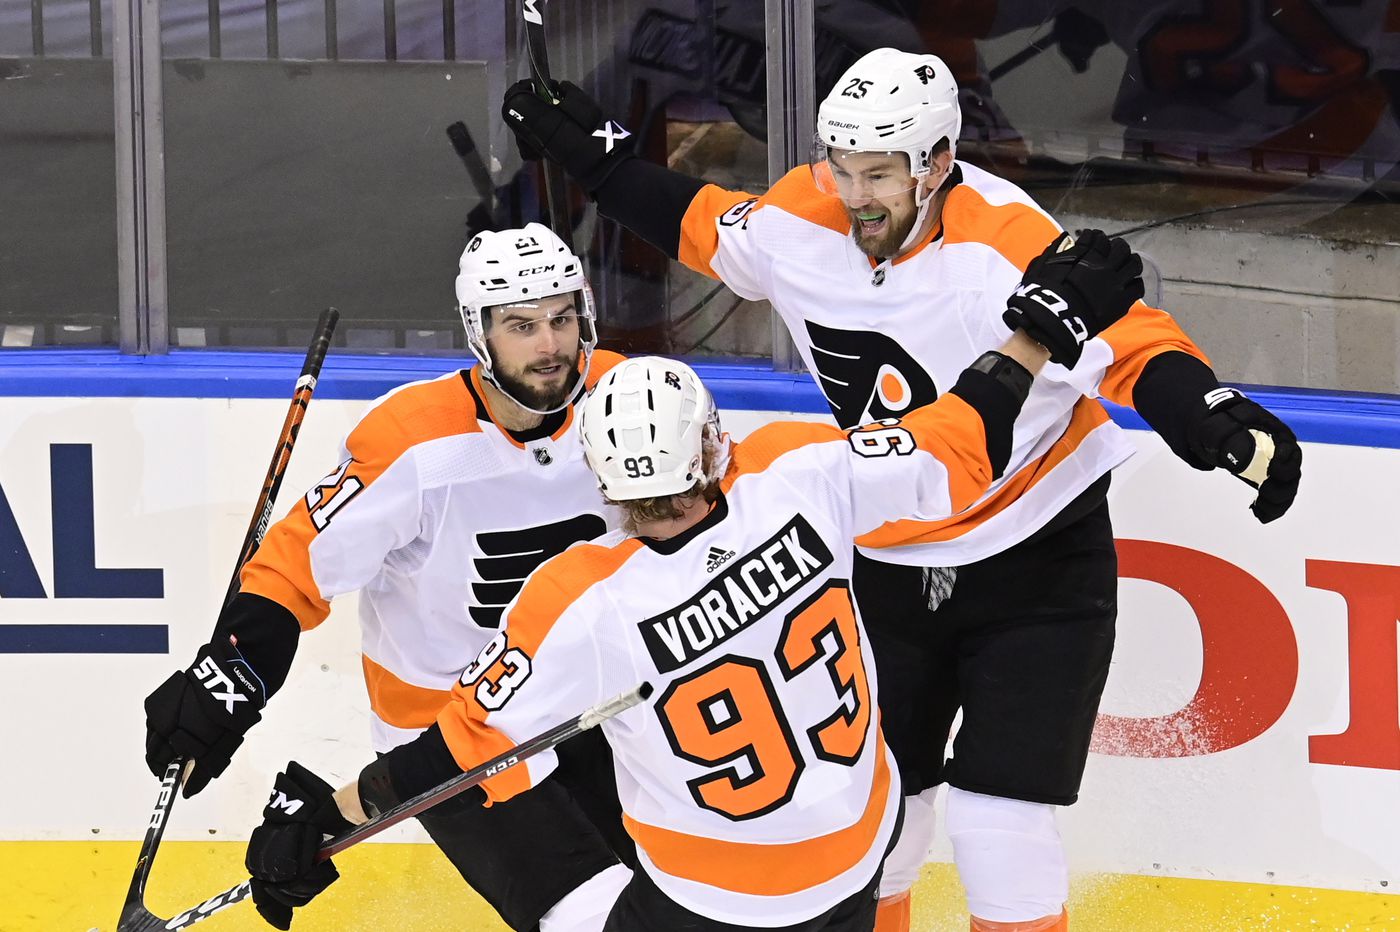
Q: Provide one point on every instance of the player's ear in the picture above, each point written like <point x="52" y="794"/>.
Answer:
<point x="942" y="164"/>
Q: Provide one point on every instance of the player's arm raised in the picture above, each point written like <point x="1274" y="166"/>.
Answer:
<point x="678" y="214"/>
<point x="1073" y="291"/>
<point x="1147" y="362"/>
<point x="331" y="542"/>
<point x="1207" y="425"/>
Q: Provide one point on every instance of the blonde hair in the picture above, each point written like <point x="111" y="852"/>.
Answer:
<point x="714" y="449"/>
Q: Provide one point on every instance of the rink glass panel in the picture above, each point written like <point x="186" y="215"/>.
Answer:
<point x="58" y="218"/>
<point x="1248" y="149"/>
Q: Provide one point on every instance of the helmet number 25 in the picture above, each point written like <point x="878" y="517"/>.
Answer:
<point x="728" y="713"/>
<point x="856" y="88"/>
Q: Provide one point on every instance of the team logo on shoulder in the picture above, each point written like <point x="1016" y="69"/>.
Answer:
<point x="867" y="376"/>
<point x="738" y="215"/>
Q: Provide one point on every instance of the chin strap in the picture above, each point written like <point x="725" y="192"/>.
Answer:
<point x="923" y="203"/>
<point x="574" y="395"/>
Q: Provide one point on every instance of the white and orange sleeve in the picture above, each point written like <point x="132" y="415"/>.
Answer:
<point x="546" y="666"/>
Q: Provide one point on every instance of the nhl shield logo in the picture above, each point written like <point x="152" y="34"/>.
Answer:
<point x="542" y="456"/>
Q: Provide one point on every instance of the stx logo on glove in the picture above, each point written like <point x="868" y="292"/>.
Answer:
<point x="611" y="133"/>
<point x="208" y="673"/>
<point x="1056" y="305"/>
<point x="279" y="800"/>
<point x="1218" y="395"/>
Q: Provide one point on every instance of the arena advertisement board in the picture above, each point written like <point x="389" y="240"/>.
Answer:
<point x="1250" y="729"/>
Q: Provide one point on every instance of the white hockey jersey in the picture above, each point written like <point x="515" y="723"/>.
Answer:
<point x="436" y="515"/>
<point x="881" y="341"/>
<point x="755" y="780"/>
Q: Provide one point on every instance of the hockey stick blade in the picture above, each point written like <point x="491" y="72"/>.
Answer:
<point x="459" y="784"/>
<point x="135" y="917"/>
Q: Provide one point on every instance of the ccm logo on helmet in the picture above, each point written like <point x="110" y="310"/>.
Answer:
<point x="537" y="270"/>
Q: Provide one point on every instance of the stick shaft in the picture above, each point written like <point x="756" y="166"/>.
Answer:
<point x="135" y="917"/>
<point x="406" y="810"/>
<point x="537" y="50"/>
<point x="465" y="781"/>
<point x="286" y="439"/>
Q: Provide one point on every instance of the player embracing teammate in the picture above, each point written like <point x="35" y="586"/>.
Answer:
<point x="755" y="781"/>
<point x="891" y="263"/>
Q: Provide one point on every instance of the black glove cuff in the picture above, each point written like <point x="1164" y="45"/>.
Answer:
<point x="996" y="386"/>
<point x="266" y="633"/>
<point x="650" y="200"/>
<point x="1170" y="394"/>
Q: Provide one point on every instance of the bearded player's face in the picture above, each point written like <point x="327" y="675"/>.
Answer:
<point x="534" y="350"/>
<point x="878" y="194"/>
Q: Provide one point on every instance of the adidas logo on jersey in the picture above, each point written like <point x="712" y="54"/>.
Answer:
<point x="717" y="558"/>
<point x="745" y="591"/>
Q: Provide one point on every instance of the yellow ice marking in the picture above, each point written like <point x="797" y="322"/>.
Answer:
<point x="78" y="886"/>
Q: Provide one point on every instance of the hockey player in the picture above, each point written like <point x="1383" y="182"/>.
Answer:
<point x="755" y="780"/>
<point x="449" y="492"/>
<point x="890" y="262"/>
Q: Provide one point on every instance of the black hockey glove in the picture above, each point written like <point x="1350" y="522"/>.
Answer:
<point x="1237" y="434"/>
<point x="1073" y="291"/>
<point x="572" y="132"/>
<point x="203" y="713"/>
<point x="282" y="850"/>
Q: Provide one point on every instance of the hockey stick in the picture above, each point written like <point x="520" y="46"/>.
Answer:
<point x="532" y="12"/>
<point x="406" y="810"/>
<point x="135" y="916"/>
<point x="301" y="397"/>
<point x="465" y="147"/>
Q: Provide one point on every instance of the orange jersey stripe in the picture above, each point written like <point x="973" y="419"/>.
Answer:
<point x="1087" y="416"/>
<point x="795" y="193"/>
<point x="768" y="870"/>
<point x="603" y="360"/>
<point x="756" y="452"/>
<point x="1017" y="231"/>
<point x="401" y="704"/>
<point x="1144" y="333"/>
<point x="950" y="429"/>
<point x="473" y="742"/>
<point x="281" y="568"/>
<point x="546" y="596"/>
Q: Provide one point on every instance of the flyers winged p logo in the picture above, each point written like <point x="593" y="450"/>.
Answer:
<point x="867" y="376"/>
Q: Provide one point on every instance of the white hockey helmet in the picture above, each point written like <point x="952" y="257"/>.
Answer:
<point x="520" y="267"/>
<point x="643" y="429"/>
<point x="888" y="101"/>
